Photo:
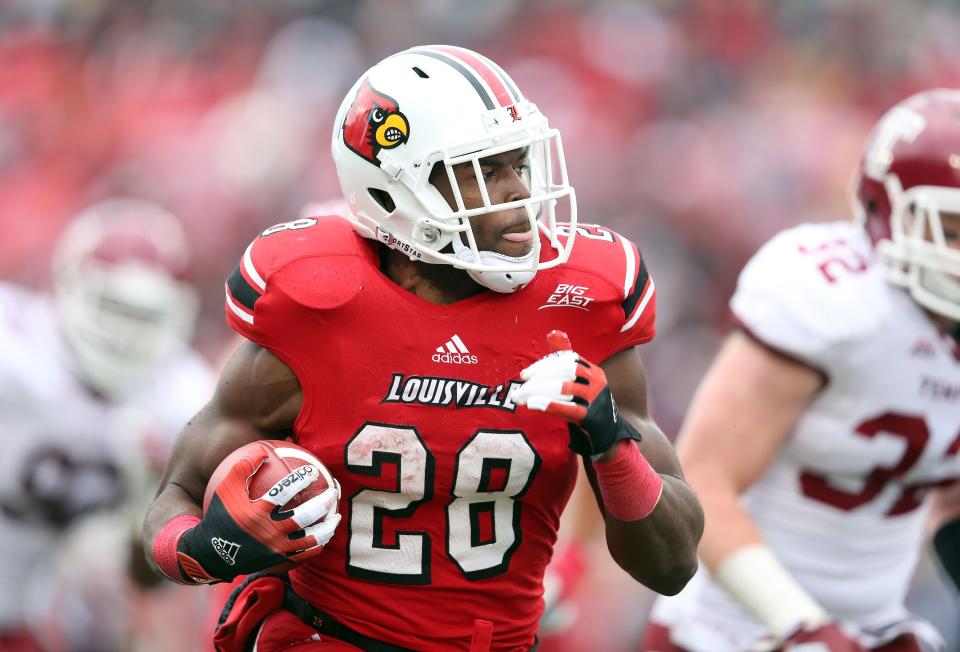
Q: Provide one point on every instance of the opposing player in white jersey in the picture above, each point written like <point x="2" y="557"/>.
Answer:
<point x="833" y="414"/>
<point x="94" y="380"/>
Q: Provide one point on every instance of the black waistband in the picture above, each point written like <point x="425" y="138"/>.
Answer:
<point x="328" y="625"/>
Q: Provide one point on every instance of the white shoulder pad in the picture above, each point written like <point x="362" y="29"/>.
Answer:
<point x="174" y="391"/>
<point x="28" y="334"/>
<point x="25" y="316"/>
<point x="811" y="291"/>
<point x="17" y="304"/>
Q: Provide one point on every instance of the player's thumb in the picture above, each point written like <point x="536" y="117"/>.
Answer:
<point x="244" y="468"/>
<point x="558" y="341"/>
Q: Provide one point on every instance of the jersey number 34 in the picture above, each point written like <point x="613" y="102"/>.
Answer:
<point x="913" y="430"/>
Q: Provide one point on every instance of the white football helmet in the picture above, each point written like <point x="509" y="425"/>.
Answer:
<point x="119" y="296"/>
<point x="905" y="191"/>
<point x="446" y="105"/>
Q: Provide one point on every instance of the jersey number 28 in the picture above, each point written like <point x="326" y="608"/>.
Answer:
<point x="492" y="470"/>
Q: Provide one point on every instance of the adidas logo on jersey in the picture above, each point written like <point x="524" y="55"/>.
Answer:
<point x="226" y="549"/>
<point x="454" y="352"/>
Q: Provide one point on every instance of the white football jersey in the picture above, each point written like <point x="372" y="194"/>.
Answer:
<point x="842" y="504"/>
<point x="66" y="451"/>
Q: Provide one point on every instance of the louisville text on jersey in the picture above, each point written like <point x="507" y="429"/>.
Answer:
<point x="433" y="390"/>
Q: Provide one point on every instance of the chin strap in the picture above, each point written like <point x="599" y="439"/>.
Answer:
<point x="504" y="282"/>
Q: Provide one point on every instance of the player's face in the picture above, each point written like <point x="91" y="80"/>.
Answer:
<point x="950" y="222"/>
<point x="951" y="234"/>
<point x="951" y="229"/>
<point x="507" y="178"/>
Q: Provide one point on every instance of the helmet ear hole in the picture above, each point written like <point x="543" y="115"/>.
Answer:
<point x="383" y="199"/>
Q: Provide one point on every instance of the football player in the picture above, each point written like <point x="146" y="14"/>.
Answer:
<point x="96" y="380"/>
<point x="423" y="348"/>
<point x="830" y="416"/>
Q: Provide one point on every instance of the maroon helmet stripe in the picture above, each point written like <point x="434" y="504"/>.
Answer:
<point x="482" y="69"/>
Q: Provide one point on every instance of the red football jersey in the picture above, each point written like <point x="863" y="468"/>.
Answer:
<point x="451" y="492"/>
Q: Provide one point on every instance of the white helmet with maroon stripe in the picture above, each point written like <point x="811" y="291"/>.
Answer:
<point x="444" y="105"/>
<point x="907" y="195"/>
<point x="122" y="304"/>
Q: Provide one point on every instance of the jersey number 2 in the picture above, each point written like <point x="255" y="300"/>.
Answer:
<point x="492" y="470"/>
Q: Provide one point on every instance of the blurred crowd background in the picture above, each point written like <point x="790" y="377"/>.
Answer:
<point x="698" y="128"/>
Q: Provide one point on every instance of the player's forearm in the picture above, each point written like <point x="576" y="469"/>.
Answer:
<point x="657" y="546"/>
<point x="734" y="550"/>
<point x="728" y="526"/>
<point x="660" y="550"/>
<point x="171" y="502"/>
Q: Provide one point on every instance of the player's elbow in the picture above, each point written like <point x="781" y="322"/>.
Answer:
<point x="671" y="580"/>
<point x="667" y="574"/>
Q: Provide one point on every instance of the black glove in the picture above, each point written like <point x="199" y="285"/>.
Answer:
<point x="240" y="534"/>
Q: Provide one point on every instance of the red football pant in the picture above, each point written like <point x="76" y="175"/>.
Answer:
<point x="282" y="630"/>
<point x="20" y="640"/>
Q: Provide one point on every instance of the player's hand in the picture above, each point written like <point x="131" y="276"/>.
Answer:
<point x="240" y="535"/>
<point x="564" y="384"/>
<point x="828" y="637"/>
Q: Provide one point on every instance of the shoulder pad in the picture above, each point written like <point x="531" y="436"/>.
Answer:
<point x="27" y="326"/>
<point x="306" y="258"/>
<point x="606" y="255"/>
<point x="22" y="310"/>
<point x="175" y="390"/>
<point x="812" y="289"/>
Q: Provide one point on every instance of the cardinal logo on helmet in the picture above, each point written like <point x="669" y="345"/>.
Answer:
<point x="374" y="122"/>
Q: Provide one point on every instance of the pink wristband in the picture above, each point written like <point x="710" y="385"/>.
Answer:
<point x="165" y="545"/>
<point x="630" y="487"/>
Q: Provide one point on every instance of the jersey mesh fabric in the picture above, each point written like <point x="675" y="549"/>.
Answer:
<point x="451" y="492"/>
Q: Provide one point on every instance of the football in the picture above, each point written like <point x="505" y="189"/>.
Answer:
<point x="286" y="462"/>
